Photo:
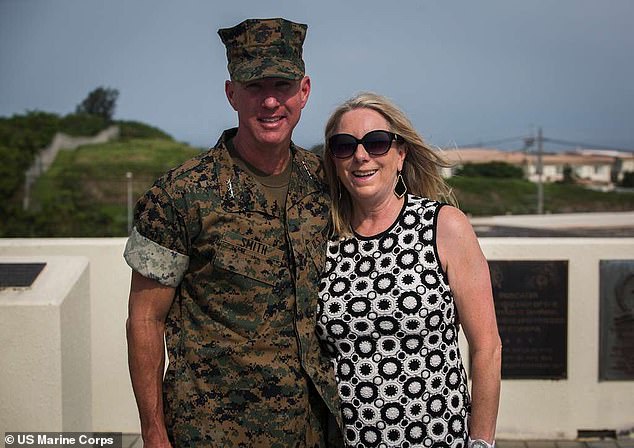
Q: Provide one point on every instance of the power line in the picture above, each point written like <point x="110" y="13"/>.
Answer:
<point x="493" y="142"/>
<point x="529" y="141"/>
<point x="584" y="145"/>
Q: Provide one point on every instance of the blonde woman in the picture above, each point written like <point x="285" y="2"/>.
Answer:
<point x="403" y="273"/>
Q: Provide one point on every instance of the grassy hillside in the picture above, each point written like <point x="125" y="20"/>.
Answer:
<point x="480" y="196"/>
<point x="101" y="169"/>
<point x="84" y="193"/>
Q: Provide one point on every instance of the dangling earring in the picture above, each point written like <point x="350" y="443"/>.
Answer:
<point x="339" y="187"/>
<point x="400" y="188"/>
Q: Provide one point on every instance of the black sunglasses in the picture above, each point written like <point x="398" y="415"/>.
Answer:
<point x="376" y="143"/>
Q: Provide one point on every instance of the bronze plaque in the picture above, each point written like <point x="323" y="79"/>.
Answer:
<point x="531" y="304"/>
<point x="616" y="317"/>
<point x="19" y="275"/>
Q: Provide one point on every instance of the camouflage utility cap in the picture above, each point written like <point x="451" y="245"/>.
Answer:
<point x="264" y="48"/>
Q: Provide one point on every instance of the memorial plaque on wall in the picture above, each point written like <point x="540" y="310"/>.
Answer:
<point x="19" y="274"/>
<point x="531" y="305"/>
<point x="616" y="317"/>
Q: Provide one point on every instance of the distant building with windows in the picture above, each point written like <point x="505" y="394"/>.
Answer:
<point x="601" y="168"/>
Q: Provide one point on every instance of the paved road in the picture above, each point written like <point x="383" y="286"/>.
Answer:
<point x="529" y="232"/>
<point x="599" y="225"/>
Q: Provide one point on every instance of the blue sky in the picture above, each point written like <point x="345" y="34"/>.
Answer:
<point x="464" y="71"/>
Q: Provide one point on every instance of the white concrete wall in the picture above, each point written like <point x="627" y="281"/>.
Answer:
<point x="113" y="406"/>
<point x="75" y="332"/>
<point x="45" y="381"/>
<point x="557" y="409"/>
<point x="529" y="408"/>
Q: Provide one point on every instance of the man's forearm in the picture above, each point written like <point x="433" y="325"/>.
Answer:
<point x="146" y="360"/>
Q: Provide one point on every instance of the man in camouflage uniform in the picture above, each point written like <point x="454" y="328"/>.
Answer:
<point x="225" y="252"/>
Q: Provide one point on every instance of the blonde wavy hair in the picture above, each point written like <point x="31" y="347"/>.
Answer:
<point x="421" y="168"/>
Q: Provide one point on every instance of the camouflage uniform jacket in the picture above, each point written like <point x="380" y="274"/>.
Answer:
<point x="241" y="331"/>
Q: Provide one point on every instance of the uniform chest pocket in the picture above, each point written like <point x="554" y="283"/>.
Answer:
<point x="249" y="258"/>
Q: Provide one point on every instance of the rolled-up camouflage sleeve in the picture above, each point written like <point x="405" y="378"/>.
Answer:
<point x="157" y="246"/>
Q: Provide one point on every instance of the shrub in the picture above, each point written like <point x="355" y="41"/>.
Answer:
<point x="21" y="138"/>
<point x="82" y="124"/>
<point x="628" y="180"/>
<point x="500" y="170"/>
<point x="14" y="163"/>
<point x="32" y="131"/>
<point x="135" y="129"/>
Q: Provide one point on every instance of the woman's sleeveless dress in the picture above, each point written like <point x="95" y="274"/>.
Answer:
<point x="388" y="318"/>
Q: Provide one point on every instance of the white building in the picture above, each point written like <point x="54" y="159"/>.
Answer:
<point x="594" y="167"/>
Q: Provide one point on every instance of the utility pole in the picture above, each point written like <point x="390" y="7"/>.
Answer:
<point x="26" y="201"/>
<point x="128" y="176"/>
<point x="540" y="172"/>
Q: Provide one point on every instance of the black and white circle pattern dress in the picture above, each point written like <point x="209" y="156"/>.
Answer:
<point x="388" y="319"/>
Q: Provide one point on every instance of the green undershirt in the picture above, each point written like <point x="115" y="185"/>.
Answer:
<point x="276" y="185"/>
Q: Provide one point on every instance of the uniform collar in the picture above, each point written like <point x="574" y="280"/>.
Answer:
<point x="240" y="192"/>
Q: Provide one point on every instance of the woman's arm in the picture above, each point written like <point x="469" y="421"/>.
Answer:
<point x="470" y="282"/>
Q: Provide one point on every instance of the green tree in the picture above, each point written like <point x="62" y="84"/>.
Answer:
<point x="21" y="138"/>
<point x="30" y="132"/>
<point x="569" y="175"/>
<point x="14" y="162"/>
<point x="101" y="102"/>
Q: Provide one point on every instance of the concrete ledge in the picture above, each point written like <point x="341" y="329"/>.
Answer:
<point x="559" y="220"/>
<point x="113" y="405"/>
<point x="45" y="381"/>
